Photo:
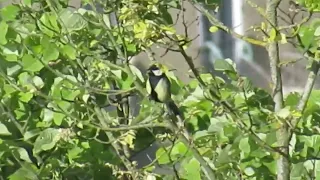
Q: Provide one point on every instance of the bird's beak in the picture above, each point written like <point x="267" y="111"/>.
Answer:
<point x="172" y="69"/>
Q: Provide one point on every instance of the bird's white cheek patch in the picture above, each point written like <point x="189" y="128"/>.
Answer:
<point x="157" y="72"/>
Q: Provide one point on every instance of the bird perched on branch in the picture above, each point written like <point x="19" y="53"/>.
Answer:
<point x="159" y="87"/>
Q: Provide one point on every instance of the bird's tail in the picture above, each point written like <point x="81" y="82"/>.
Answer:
<point x="173" y="108"/>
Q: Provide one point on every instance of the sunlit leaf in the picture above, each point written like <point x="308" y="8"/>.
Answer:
<point x="162" y="156"/>
<point x="24" y="155"/>
<point x="72" y="21"/>
<point x="9" y="13"/>
<point x="30" y="134"/>
<point x="46" y="140"/>
<point x="193" y="170"/>
<point x="48" y="24"/>
<point x="26" y="172"/>
<point x="4" y="130"/>
<point x="58" y="118"/>
<point x="4" y="28"/>
<point x="69" y="51"/>
<point x="213" y="29"/>
<point x="30" y="63"/>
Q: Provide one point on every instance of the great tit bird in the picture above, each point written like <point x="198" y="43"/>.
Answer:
<point x="159" y="87"/>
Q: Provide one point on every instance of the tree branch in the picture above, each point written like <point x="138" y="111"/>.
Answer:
<point x="273" y="53"/>
<point x="226" y="105"/>
<point x="308" y="87"/>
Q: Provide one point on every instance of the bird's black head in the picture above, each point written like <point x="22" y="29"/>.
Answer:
<point x="153" y="67"/>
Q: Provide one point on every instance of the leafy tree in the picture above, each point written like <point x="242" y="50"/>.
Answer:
<point x="67" y="80"/>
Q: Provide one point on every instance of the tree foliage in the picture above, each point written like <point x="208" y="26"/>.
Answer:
<point x="66" y="78"/>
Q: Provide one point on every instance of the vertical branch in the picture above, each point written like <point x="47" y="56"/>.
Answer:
<point x="283" y="165"/>
<point x="273" y="53"/>
<point x="308" y="87"/>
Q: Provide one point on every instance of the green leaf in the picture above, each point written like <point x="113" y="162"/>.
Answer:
<point x="30" y="134"/>
<point x="50" y="52"/>
<point x="11" y="57"/>
<point x="310" y="142"/>
<point x="166" y="16"/>
<point x="284" y="113"/>
<point x="283" y="38"/>
<point x="48" y="24"/>
<point x="29" y="63"/>
<point x="317" y="32"/>
<point x="244" y="145"/>
<point x="126" y="83"/>
<point x="72" y="21"/>
<point x="225" y="155"/>
<point x="117" y="73"/>
<point x="271" y="165"/>
<point x="136" y="72"/>
<point x="4" y="131"/>
<point x="46" y="140"/>
<point x="213" y="29"/>
<point x="273" y="35"/>
<point x="35" y="43"/>
<point x="85" y="145"/>
<point x="26" y="172"/>
<point x="106" y="20"/>
<point x="74" y="153"/>
<point x="69" y="51"/>
<point x="292" y="100"/>
<point x="178" y="150"/>
<point x="224" y="65"/>
<point x="37" y="81"/>
<point x="11" y="51"/>
<point x="25" y="96"/>
<point x="24" y="155"/>
<point x="13" y="70"/>
<point x="58" y="118"/>
<point x="312" y="105"/>
<point x="86" y="97"/>
<point x="8" y="89"/>
<point x="162" y="156"/>
<point x="201" y="134"/>
<point x="193" y="170"/>
<point x="4" y="29"/>
<point x="25" y="80"/>
<point x="47" y="114"/>
<point x="249" y="171"/>
<point x="9" y="13"/>
<point x="297" y="171"/>
<point x="27" y="3"/>
<point x="317" y="168"/>
<point x="307" y="35"/>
